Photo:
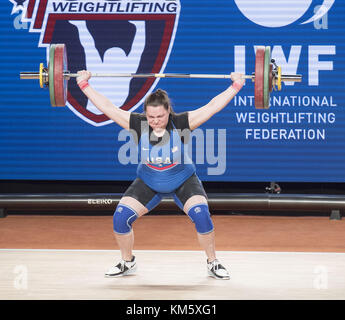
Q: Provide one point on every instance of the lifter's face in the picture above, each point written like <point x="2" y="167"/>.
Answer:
<point x="157" y="117"/>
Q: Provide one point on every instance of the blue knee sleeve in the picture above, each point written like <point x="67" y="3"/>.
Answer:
<point x="123" y="218"/>
<point x="200" y="215"/>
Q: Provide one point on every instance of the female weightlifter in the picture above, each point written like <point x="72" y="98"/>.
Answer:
<point x="165" y="169"/>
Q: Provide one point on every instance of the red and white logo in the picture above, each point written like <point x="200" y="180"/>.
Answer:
<point x="104" y="36"/>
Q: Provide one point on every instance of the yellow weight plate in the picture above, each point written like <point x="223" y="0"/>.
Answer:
<point x="41" y="75"/>
<point x="279" y="79"/>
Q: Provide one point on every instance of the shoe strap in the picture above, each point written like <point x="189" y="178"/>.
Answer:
<point x="121" y="265"/>
<point x="216" y="265"/>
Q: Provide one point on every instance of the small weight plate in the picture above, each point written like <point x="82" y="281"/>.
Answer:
<point x="41" y="75"/>
<point x="271" y="78"/>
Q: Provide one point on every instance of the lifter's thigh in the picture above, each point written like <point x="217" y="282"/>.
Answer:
<point x="190" y="193"/>
<point x="140" y="197"/>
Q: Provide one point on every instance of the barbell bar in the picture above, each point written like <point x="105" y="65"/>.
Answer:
<point x="31" y="75"/>
<point x="267" y="76"/>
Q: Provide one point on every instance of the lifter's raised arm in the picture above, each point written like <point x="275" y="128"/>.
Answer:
<point x="121" y="117"/>
<point x="198" y="116"/>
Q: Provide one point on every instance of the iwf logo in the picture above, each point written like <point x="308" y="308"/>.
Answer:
<point x="126" y="36"/>
<point x="280" y="13"/>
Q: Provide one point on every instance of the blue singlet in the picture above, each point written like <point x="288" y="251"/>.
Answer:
<point x="164" y="167"/>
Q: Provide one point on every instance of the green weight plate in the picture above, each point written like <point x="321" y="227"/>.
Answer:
<point x="51" y="75"/>
<point x="267" y="77"/>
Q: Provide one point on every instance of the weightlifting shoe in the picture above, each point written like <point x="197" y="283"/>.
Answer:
<point x="123" y="268"/>
<point x="216" y="270"/>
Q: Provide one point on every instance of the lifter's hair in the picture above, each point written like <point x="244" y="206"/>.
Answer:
<point x="158" y="98"/>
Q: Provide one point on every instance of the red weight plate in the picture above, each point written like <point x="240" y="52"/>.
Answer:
<point x="259" y="77"/>
<point x="65" y="68"/>
<point x="60" y="84"/>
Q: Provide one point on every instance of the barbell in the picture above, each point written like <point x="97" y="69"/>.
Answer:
<point x="267" y="76"/>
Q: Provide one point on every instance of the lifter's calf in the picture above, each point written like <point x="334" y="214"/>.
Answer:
<point x="207" y="242"/>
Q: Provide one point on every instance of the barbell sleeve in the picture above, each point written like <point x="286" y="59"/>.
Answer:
<point x="29" y="75"/>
